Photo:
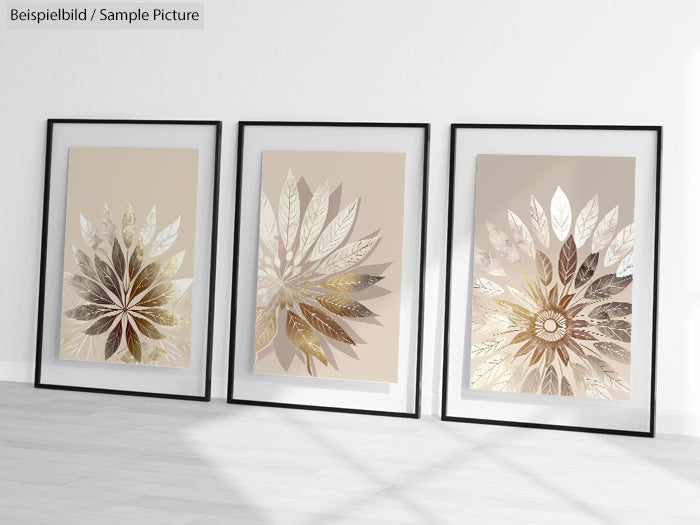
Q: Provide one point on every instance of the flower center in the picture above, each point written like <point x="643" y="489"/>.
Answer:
<point x="550" y="326"/>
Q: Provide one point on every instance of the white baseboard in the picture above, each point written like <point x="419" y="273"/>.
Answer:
<point x="17" y="372"/>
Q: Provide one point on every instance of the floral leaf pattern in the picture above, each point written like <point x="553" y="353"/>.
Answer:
<point x="563" y="333"/>
<point x="306" y="282"/>
<point x="132" y="312"/>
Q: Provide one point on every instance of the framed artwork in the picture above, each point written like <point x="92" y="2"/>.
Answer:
<point x="128" y="257"/>
<point x="551" y="284"/>
<point x="329" y="255"/>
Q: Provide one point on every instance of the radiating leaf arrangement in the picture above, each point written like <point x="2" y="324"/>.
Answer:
<point x="130" y="296"/>
<point x="553" y="325"/>
<point x="307" y="274"/>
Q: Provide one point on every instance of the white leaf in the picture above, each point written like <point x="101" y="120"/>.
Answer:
<point x="268" y="226"/>
<point x="149" y="228"/>
<point x="181" y="285"/>
<point x="486" y="287"/>
<point x="89" y="233"/>
<point x="524" y="299"/>
<point x="611" y="378"/>
<point x="336" y="231"/>
<point x="501" y="242"/>
<point x="626" y="266"/>
<point x="489" y="371"/>
<point x="487" y="347"/>
<point x="165" y="239"/>
<point x="314" y="219"/>
<point x="620" y="245"/>
<point x="108" y="225"/>
<point x="494" y="324"/>
<point x="347" y="256"/>
<point x="603" y="234"/>
<point x="596" y="389"/>
<point x="560" y="211"/>
<point x="504" y="383"/>
<point x="539" y="221"/>
<point x="488" y="262"/>
<point x="289" y="211"/>
<point x="586" y="221"/>
<point x="521" y="234"/>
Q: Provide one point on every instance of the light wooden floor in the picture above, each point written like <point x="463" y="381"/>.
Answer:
<point x="94" y="459"/>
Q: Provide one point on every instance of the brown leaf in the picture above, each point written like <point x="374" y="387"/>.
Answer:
<point x="537" y="355"/>
<point x="113" y="341"/>
<point x="160" y="316"/>
<point x="265" y="330"/>
<point x="100" y="326"/>
<point x="611" y="310"/>
<point x="567" y="260"/>
<point x="302" y="336"/>
<point x="145" y="278"/>
<point x="574" y="347"/>
<point x="147" y="328"/>
<point x="544" y="268"/>
<point x="566" y="389"/>
<point x="160" y="295"/>
<point x="107" y="276"/>
<point x="616" y="329"/>
<point x="613" y="351"/>
<point x="587" y="269"/>
<point x="574" y="310"/>
<point x="118" y="259"/>
<point x="89" y="290"/>
<point x="563" y="355"/>
<point x="582" y="334"/>
<point x="84" y="263"/>
<point x="344" y="306"/>
<point x="550" y="381"/>
<point x="520" y="337"/>
<point x="87" y="312"/>
<point x="565" y="300"/>
<point x="525" y="349"/>
<point x="135" y="261"/>
<point x="325" y="324"/>
<point x="553" y="296"/>
<point x="349" y="282"/>
<point x="133" y="342"/>
<point x="607" y="285"/>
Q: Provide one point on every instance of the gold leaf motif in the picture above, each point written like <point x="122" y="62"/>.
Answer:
<point x="585" y="222"/>
<point x="118" y="259"/>
<point x="302" y="336"/>
<point x="147" y="329"/>
<point x="349" y="282"/>
<point x="160" y="295"/>
<point x="487" y="287"/>
<point x="611" y="378"/>
<point x="89" y="290"/>
<point x="617" y="329"/>
<point x="160" y="316"/>
<point x="135" y="261"/>
<point x="265" y="330"/>
<point x="613" y="351"/>
<point x="626" y="266"/>
<point x="108" y="225"/>
<point x="487" y="347"/>
<point x="611" y="310"/>
<point x="561" y="214"/>
<point x="324" y="323"/>
<point x="171" y="266"/>
<point x="344" y="306"/>
<point x="145" y="278"/>
<point x="606" y="286"/>
<point x="288" y="209"/>
<point x="489" y="371"/>
<point x="133" y="342"/>
<point x="100" y="326"/>
<point x="128" y="226"/>
<point x="113" y="341"/>
<point x="596" y="389"/>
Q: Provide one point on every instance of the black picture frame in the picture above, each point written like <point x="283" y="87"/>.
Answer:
<point x="296" y="128"/>
<point x="202" y="134"/>
<point x="525" y="139"/>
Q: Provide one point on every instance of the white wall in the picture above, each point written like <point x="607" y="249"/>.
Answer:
<point x="507" y="61"/>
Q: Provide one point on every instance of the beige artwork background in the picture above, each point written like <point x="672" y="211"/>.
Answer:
<point x="141" y="177"/>
<point x="506" y="182"/>
<point x="377" y="179"/>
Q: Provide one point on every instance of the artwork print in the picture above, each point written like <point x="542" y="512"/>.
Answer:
<point x="128" y="261"/>
<point x="552" y="276"/>
<point x="329" y="265"/>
